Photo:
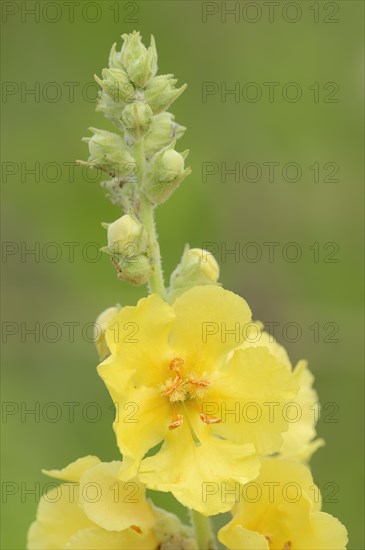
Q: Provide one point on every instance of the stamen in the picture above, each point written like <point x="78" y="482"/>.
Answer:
<point x="175" y="384"/>
<point x="209" y="419"/>
<point x="176" y="363"/>
<point x="196" y="382"/>
<point x="177" y="421"/>
<point x="287" y="545"/>
<point x="136" y="529"/>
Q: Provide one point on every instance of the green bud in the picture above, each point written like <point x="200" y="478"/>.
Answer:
<point x="171" y="533"/>
<point x="160" y="92"/>
<point x="198" y="259"/>
<point x="166" y="173"/>
<point x="117" y="85"/>
<point x="197" y="267"/>
<point x="109" y="152"/>
<point x="126" y="237"/>
<point x="163" y="130"/>
<point x="137" y="119"/>
<point x="135" y="270"/>
<point x="169" y="166"/>
<point x="139" y="62"/>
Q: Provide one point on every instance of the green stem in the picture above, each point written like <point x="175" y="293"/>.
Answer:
<point x="156" y="282"/>
<point x="146" y="216"/>
<point x="203" y="531"/>
<point x="138" y="151"/>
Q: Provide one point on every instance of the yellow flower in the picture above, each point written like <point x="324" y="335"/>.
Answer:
<point x="282" y="511"/>
<point x="93" y="510"/>
<point x="177" y="381"/>
<point x="302" y="413"/>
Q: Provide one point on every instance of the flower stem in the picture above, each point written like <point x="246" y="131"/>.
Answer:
<point x="146" y="216"/>
<point x="156" y="282"/>
<point x="203" y="531"/>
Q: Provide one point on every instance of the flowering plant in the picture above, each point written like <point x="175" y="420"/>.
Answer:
<point x="208" y="405"/>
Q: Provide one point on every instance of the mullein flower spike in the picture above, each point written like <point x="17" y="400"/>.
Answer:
<point x="135" y="100"/>
<point x="200" y="412"/>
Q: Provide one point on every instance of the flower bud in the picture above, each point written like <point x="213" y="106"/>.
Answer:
<point x="160" y="92"/>
<point x="172" y="534"/>
<point x="117" y="85"/>
<point x="139" y="62"/>
<point x="109" y="152"/>
<point x="166" y="173"/>
<point x="126" y="237"/>
<point x="100" y="327"/>
<point x="170" y="166"/>
<point x="197" y="267"/>
<point x="137" y="118"/>
<point x="135" y="270"/>
<point x="204" y="260"/>
<point x="163" y="130"/>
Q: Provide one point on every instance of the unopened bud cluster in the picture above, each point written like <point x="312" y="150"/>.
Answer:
<point x="135" y="100"/>
<point x="140" y="160"/>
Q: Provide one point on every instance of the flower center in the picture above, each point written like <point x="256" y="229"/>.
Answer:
<point x="184" y="385"/>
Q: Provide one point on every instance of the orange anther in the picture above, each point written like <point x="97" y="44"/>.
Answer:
<point x="196" y="382"/>
<point x="209" y="419"/>
<point x="177" y="422"/>
<point x="176" y="363"/>
<point x="176" y="383"/>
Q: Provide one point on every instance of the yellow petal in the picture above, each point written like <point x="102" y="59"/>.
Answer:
<point x="297" y="441"/>
<point x="73" y="471"/>
<point x="138" y="341"/>
<point x="141" y="423"/>
<point x="284" y="509"/>
<point x="207" y="477"/>
<point x="99" y="539"/>
<point x="205" y="315"/>
<point x="326" y="533"/>
<point x="58" y="518"/>
<point x="250" y="395"/>
<point x="112" y="504"/>
<point x="259" y="338"/>
<point x="101" y="324"/>
<point x="236" y="537"/>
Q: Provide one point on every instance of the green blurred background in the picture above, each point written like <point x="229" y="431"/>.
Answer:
<point x="306" y="212"/>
